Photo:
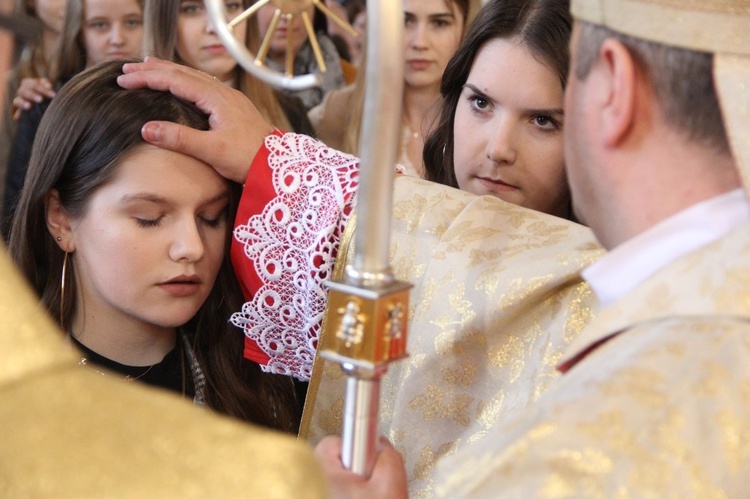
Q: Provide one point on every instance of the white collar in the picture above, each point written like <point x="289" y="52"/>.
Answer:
<point x="626" y="266"/>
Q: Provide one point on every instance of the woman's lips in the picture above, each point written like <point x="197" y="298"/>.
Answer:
<point x="180" y="289"/>
<point x="418" y="64"/>
<point x="496" y="185"/>
<point x="215" y="49"/>
<point x="184" y="285"/>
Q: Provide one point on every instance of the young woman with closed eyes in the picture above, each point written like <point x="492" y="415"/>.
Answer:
<point x="126" y="245"/>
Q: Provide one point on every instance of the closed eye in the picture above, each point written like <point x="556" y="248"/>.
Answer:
<point x="215" y="221"/>
<point x="147" y="222"/>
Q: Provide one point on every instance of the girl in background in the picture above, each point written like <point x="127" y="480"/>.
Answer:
<point x="28" y="81"/>
<point x="93" y="31"/>
<point x="338" y="72"/>
<point x="433" y="31"/>
<point x="179" y="30"/>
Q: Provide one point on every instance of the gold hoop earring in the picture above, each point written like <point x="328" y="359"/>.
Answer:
<point x="62" y="289"/>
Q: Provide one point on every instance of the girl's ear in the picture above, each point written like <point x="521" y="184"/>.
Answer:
<point x="59" y="222"/>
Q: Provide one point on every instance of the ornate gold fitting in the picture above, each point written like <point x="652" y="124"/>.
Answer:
<point x="368" y="326"/>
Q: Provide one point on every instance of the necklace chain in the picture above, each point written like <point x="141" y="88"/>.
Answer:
<point x="186" y="356"/>
<point x="85" y="363"/>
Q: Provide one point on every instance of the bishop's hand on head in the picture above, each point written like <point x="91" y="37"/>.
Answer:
<point x="237" y="128"/>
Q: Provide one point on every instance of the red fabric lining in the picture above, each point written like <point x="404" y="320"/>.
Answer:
<point x="252" y="202"/>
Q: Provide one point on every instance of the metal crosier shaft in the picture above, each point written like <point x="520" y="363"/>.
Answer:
<point x="368" y="309"/>
<point x="380" y="138"/>
<point x="370" y="299"/>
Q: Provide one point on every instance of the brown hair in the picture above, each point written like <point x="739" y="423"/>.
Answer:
<point x="543" y="26"/>
<point x="160" y="39"/>
<point x="682" y="81"/>
<point x="87" y="130"/>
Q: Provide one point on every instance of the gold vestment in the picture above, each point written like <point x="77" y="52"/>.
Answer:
<point x="67" y="431"/>
<point x="486" y="328"/>
<point x="662" y="409"/>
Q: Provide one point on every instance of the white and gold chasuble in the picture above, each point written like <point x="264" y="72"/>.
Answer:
<point x="486" y="328"/>
<point x="497" y="297"/>
<point x="656" y="402"/>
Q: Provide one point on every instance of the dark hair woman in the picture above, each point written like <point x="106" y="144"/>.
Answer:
<point x="126" y="244"/>
<point x="500" y="127"/>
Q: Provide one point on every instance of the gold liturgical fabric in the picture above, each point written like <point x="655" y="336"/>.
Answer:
<point x="486" y="327"/>
<point x="660" y="410"/>
<point x="70" y="432"/>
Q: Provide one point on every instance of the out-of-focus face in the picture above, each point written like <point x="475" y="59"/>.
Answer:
<point x="508" y="130"/>
<point x="198" y="45"/>
<point x="433" y="31"/>
<point x="286" y="29"/>
<point x="152" y="240"/>
<point x="51" y="13"/>
<point x="112" y="29"/>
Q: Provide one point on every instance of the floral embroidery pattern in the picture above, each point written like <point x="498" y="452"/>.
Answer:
<point x="293" y="245"/>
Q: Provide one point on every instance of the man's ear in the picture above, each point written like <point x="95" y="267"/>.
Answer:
<point x="59" y="222"/>
<point x="618" y="74"/>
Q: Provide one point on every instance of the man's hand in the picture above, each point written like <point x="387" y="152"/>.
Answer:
<point x="388" y="478"/>
<point x="237" y="129"/>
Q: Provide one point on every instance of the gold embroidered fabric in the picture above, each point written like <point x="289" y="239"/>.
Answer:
<point x="69" y="432"/>
<point x="486" y="328"/>
<point x="660" y="410"/>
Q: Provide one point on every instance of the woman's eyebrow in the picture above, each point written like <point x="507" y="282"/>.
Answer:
<point x="144" y="196"/>
<point x="479" y="92"/>
<point x="552" y="111"/>
<point x="432" y="17"/>
<point x="442" y="15"/>
<point x="155" y="198"/>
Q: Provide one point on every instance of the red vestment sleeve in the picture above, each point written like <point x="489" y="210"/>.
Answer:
<point x="296" y="201"/>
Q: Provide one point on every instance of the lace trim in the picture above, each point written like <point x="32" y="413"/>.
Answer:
<point x="292" y="245"/>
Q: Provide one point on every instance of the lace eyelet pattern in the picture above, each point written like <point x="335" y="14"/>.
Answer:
<point x="292" y="245"/>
